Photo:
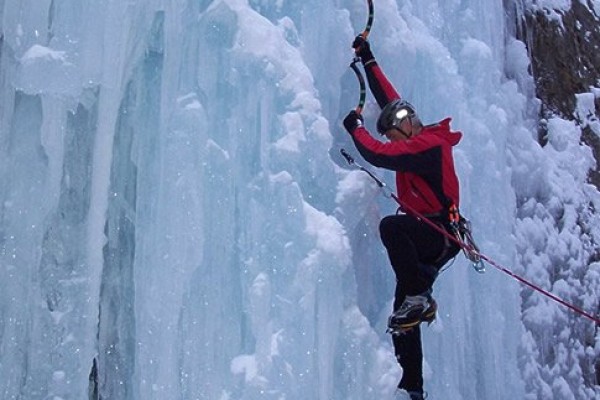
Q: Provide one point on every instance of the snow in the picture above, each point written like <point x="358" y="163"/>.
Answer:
<point x="552" y="9"/>
<point x="175" y="211"/>
<point x="46" y="70"/>
<point x="39" y="53"/>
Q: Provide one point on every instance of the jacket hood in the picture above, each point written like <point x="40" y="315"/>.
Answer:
<point x="442" y="129"/>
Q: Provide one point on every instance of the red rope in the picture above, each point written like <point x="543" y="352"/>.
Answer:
<point x="495" y="264"/>
<point x="470" y="249"/>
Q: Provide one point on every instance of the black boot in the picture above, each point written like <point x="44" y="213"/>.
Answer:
<point x="413" y="311"/>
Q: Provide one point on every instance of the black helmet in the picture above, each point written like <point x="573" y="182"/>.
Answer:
<point x="394" y="113"/>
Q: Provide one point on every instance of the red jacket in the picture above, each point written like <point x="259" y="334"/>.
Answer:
<point x="426" y="180"/>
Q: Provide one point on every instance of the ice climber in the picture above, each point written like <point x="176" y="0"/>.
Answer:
<point x="426" y="182"/>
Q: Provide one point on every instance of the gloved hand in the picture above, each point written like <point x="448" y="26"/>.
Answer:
<point x="362" y="49"/>
<point x="352" y="121"/>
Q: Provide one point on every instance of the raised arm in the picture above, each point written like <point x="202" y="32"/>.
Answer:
<point x="382" y="89"/>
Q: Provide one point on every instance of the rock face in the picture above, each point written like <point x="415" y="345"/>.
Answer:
<point x="565" y="56"/>
<point x="564" y="48"/>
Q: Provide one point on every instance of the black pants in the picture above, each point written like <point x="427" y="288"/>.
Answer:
<point x="414" y="249"/>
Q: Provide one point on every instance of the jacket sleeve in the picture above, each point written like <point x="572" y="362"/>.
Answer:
<point x="382" y="89"/>
<point x="417" y="155"/>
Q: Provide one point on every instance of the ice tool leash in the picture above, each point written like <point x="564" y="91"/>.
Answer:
<point x="356" y="60"/>
<point x="464" y="239"/>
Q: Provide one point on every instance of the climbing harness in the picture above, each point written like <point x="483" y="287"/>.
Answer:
<point x="461" y="227"/>
<point x="464" y="239"/>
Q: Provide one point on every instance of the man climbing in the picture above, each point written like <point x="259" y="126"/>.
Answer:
<point x="426" y="184"/>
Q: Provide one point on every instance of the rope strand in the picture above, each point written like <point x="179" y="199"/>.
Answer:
<point x="464" y="246"/>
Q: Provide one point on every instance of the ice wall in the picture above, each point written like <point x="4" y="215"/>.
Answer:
<point x="176" y="222"/>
